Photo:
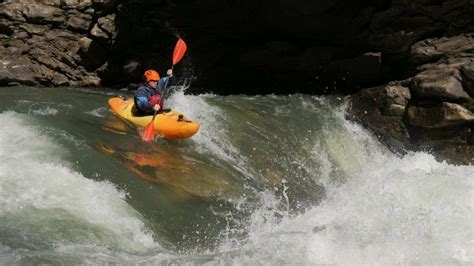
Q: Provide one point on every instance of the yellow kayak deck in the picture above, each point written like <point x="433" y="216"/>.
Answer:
<point x="168" y="124"/>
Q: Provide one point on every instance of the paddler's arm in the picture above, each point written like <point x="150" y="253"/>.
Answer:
<point x="165" y="82"/>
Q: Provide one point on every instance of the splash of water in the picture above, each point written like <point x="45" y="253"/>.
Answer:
<point x="42" y="198"/>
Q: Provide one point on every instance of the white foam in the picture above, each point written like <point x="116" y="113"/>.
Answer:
<point x="45" y="111"/>
<point x="213" y="136"/>
<point x="36" y="183"/>
<point x="99" y="112"/>
<point x="392" y="210"/>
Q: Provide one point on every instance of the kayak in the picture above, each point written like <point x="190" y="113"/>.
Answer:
<point x="168" y="123"/>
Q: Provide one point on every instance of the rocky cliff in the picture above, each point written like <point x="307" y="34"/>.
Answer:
<point x="434" y="109"/>
<point x="319" y="46"/>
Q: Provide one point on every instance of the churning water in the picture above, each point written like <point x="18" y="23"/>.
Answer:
<point x="267" y="180"/>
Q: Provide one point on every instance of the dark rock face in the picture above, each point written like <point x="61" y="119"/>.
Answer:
<point x="312" y="46"/>
<point x="434" y="109"/>
<point x="315" y="47"/>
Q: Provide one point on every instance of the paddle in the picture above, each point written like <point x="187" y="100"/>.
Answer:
<point x="178" y="53"/>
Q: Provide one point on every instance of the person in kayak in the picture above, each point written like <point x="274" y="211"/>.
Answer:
<point x="148" y="95"/>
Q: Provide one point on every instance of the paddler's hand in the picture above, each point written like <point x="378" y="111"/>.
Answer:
<point x="156" y="107"/>
<point x="169" y="73"/>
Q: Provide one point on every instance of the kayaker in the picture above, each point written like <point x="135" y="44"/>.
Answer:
<point x="148" y="95"/>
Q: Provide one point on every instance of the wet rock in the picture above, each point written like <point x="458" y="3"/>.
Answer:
<point x="444" y="115"/>
<point x="374" y="109"/>
<point x="396" y="100"/>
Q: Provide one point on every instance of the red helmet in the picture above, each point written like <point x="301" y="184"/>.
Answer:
<point x="151" y="75"/>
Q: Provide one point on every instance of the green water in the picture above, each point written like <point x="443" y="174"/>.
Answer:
<point x="79" y="185"/>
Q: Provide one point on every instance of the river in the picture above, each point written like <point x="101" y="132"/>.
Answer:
<point x="268" y="180"/>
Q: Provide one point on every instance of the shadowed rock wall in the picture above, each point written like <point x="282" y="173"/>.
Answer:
<point x="235" y="46"/>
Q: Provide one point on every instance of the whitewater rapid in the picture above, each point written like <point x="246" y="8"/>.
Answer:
<point x="376" y="207"/>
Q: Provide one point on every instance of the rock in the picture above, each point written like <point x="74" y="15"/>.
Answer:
<point x="54" y="3"/>
<point x="131" y="67"/>
<point x="59" y="35"/>
<point x="397" y="94"/>
<point x="107" y="24"/>
<point x="17" y="70"/>
<point x="85" y="43"/>
<point x="88" y="81"/>
<point x="444" y="83"/>
<point x="5" y="27"/>
<point x="456" y="62"/>
<point x="358" y="70"/>
<point x="444" y="115"/>
<point x="96" y="31"/>
<point x="368" y="108"/>
<point x="78" y="21"/>
<point x="12" y="11"/>
<point x="34" y="29"/>
<point x="431" y="50"/>
<point x="456" y="114"/>
<point x="105" y="3"/>
<point x="60" y="80"/>
<point x="51" y="62"/>
<point x="76" y="4"/>
<point x="394" y="110"/>
<point x="467" y="73"/>
<point x="44" y="14"/>
<point x="469" y="105"/>
<point x="21" y="35"/>
<point x="92" y="54"/>
<point x="396" y="100"/>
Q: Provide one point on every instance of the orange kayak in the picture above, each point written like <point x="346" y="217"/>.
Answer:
<point x="168" y="124"/>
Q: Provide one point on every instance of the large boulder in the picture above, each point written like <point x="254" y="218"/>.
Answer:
<point x="381" y="109"/>
<point x="442" y="83"/>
